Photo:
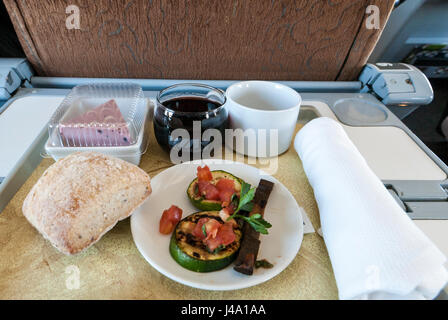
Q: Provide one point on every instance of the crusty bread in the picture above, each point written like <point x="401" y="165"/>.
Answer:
<point x="81" y="197"/>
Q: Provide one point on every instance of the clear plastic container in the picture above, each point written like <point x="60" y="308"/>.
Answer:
<point x="103" y="117"/>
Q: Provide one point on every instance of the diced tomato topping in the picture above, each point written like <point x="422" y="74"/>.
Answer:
<point x="201" y="186"/>
<point x="225" y="184"/>
<point x="197" y="231"/>
<point x="169" y="219"/>
<point x="166" y="226"/>
<point x="225" y="236"/>
<point x="204" y="174"/>
<point x="208" y="190"/>
<point x="213" y="243"/>
<point x="217" y="233"/>
<point x="211" y="228"/>
<point x="226" y="196"/>
<point x="226" y="189"/>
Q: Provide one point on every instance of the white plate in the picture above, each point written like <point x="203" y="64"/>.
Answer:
<point x="169" y="187"/>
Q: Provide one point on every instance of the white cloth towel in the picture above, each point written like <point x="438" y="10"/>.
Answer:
<point x="376" y="251"/>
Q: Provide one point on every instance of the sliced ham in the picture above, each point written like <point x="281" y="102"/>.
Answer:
<point x="86" y="129"/>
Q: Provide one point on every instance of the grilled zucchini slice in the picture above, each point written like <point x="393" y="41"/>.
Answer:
<point x="211" y="205"/>
<point x="192" y="254"/>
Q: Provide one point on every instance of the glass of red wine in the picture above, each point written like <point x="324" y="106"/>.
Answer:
<point x="185" y="106"/>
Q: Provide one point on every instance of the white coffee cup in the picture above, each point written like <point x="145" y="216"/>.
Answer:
<point x="269" y="110"/>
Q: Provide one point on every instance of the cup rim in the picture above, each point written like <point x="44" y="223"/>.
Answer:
<point x="269" y="83"/>
<point x="214" y="111"/>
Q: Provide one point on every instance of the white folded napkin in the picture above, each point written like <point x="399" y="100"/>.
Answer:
<point x="376" y="251"/>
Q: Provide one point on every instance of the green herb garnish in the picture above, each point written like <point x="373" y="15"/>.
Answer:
<point x="204" y="231"/>
<point x="221" y="247"/>
<point x="235" y="199"/>
<point x="196" y="189"/>
<point x="246" y="196"/>
<point x="248" y="207"/>
<point x="255" y="221"/>
<point x="263" y="264"/>
<point x="217" y="250"/>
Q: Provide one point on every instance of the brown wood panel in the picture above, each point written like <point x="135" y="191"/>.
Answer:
<point x="202" y="39"/>
<point x="365" y="42"/>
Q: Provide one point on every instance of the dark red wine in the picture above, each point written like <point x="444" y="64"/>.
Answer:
<point x="192" y="104"/>
<point x="180" y="113"/>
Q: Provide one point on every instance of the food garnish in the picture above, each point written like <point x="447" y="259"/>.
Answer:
<point x="210" y="245"/>
<point x="263" y="263"/>
<point x="220" y="190"/>
<point x="213" y="190"/>
<point x="211" y="239"/>
<point x="204" y="174"/>
<point x="247" y="255"/>
<point x="169" y="219"/>
<point x="255" y="220"/>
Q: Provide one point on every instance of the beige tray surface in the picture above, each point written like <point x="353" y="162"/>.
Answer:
<point x="30" y="268"/>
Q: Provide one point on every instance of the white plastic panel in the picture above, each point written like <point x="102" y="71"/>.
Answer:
<point x="20" y="124"/>
<point x="389" y="151"/>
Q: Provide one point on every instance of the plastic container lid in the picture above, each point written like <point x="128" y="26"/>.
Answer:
<point x="99" y="115"/>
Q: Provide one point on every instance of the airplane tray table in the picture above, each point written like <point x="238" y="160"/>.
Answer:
<point x="113" y="268"/>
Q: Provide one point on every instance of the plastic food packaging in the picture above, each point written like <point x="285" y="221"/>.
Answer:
<point x="109" y="118"/>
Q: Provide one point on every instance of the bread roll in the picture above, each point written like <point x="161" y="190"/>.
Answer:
<point x="81" y="197"/>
